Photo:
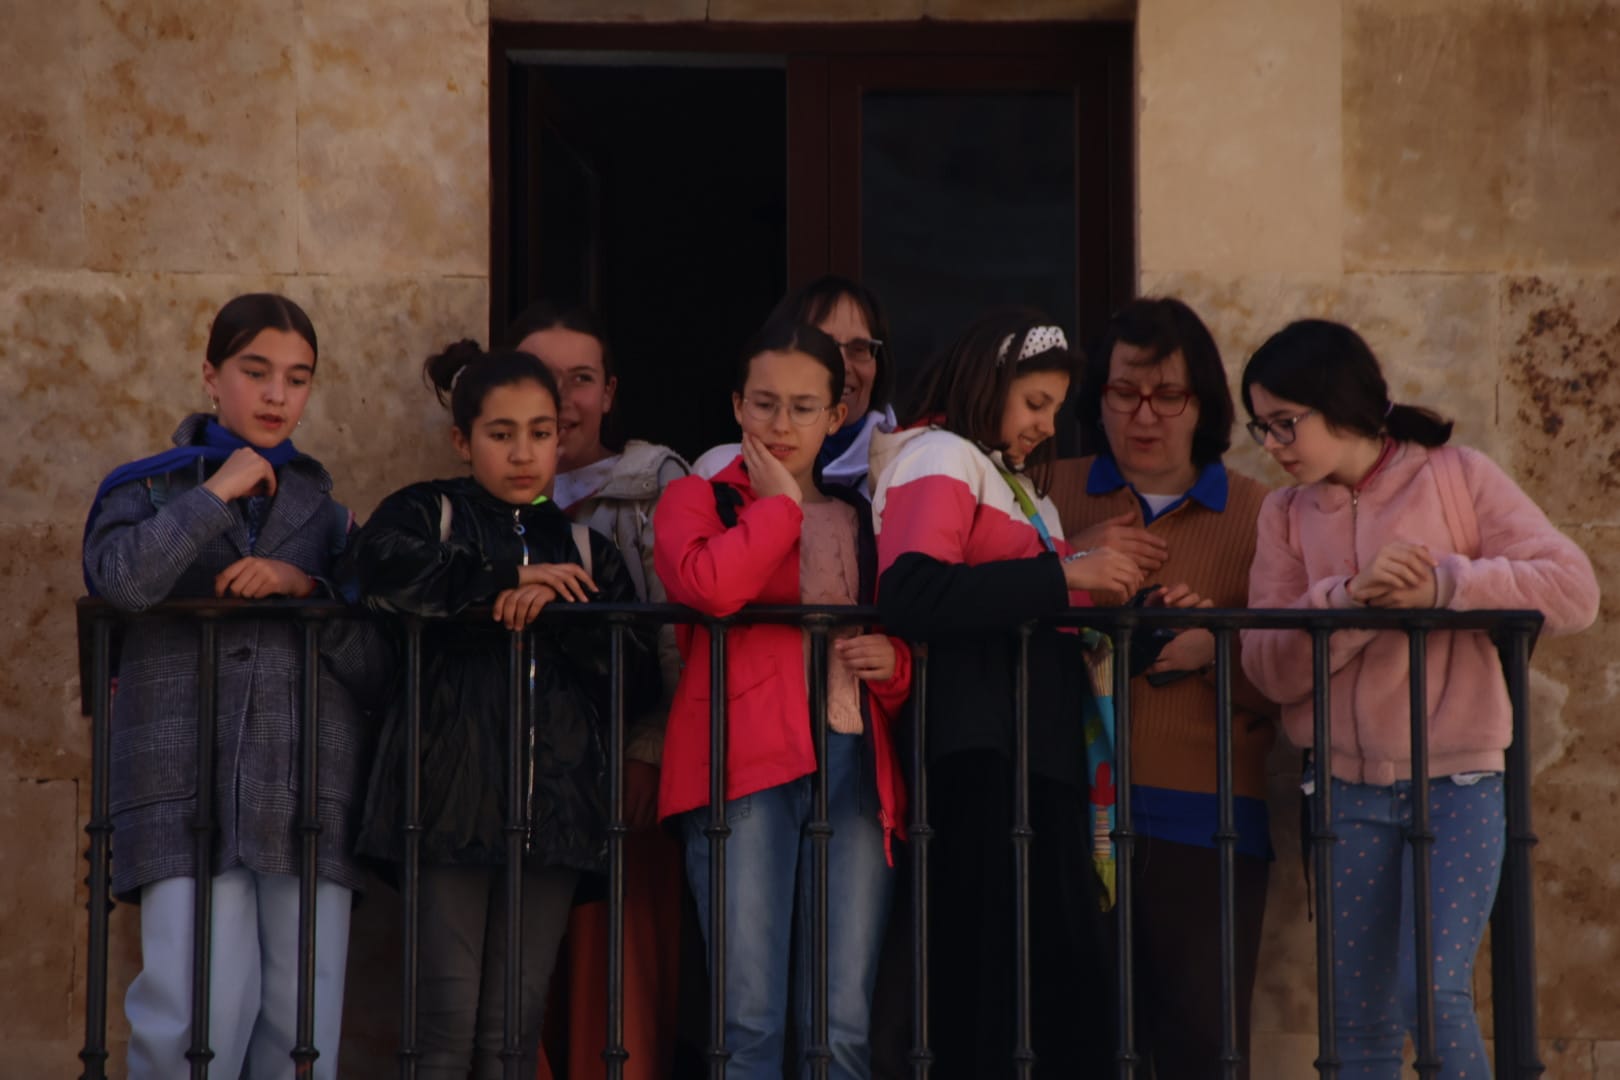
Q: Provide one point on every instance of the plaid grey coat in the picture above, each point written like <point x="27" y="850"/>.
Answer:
<point x="168" y="538"/>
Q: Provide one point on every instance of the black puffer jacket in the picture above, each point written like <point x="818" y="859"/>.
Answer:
<point x="404" y="568"/>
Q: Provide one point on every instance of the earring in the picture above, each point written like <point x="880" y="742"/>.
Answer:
<point x="214" y="404"/>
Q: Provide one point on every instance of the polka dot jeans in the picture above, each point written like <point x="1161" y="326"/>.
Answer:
<point x="1375" y="972"/>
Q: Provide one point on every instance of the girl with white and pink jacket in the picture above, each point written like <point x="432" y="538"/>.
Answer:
<point x="1384" y="514"/>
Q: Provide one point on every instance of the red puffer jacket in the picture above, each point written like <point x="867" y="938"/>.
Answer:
<point x="715" y="569"/>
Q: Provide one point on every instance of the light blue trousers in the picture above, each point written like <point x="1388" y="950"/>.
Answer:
<point x="253" y="1011"/>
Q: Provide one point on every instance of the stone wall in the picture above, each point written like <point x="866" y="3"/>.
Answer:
<point x="1441" y="175"/>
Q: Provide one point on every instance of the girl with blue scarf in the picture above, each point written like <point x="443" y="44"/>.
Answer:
<point x="233" y="510"/>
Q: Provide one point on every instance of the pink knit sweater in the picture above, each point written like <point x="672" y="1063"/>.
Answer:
<point x="1313" y="540"/>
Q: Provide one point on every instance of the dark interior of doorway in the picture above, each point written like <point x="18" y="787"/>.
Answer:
<point x="659" y="199"/>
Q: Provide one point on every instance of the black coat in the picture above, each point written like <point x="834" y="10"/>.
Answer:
<point x="404" y="568"/>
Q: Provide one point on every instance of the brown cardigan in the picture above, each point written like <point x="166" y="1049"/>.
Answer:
<point x="1173" y="732"/>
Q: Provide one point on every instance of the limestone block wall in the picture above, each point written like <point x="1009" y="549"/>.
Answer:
<point x="1441" y="175"/>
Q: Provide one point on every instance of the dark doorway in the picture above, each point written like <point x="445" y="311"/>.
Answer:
<point x="654" y="190"/>
<point x="679" y="179"/>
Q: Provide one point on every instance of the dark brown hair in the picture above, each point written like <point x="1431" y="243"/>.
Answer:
<point x="242" y="319"/>
<point x="1326" y="366"/>
<point x="463" y="374"/>
<point x="1161" y="327"/>
<point x="965" y="389"/>
<point x="814" y="302"/>
<point x="783" y="333"/>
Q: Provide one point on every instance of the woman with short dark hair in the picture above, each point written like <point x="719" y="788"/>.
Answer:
<point x="1155" y="399"/>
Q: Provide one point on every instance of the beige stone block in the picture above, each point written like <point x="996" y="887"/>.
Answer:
<point x="1606" y="1060"/>
<point x="1560" y="343"/>
<point x="117" y="360"/>
<point x="38" y="866"/>
<point x="1480" y="135"/>
<point x="41" y="136"/>
<point x="1433" y="335"/>
<point x="1030" y="10"/>
<point x="1239" y="137"/>
<point x="1280" y="1056"/>
<point x="393" y="138"/>
<point x="44" y="736"/>
<point x="104" y="367"/>
<point x="654" y="11"/>
<point x="372" y="420"/>
<point x="1568" y="1059"/>
<point x="190" y="154"/>
<point x="1285" y="977"/>
<point x="801" y="11"/>
<point x="1575" y="815"/>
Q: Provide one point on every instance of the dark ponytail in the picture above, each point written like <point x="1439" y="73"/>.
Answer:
<point x="463" y="374"/>
<point x="1326" y="366"/>
<point x="1413" y="423"/>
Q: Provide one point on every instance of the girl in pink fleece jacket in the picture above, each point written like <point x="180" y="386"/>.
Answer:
<point x="1365" y="527"/>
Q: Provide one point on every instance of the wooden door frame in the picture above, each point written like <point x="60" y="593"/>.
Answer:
<point x="1101" y="55"/>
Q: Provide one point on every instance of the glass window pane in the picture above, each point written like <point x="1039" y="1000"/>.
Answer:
<point x="967" y="203"/>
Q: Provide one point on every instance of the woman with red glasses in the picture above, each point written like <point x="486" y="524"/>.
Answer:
<point x="1155" y="400"/>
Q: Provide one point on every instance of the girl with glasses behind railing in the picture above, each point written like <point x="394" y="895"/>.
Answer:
<point x="235" y="510"/>
<point x="970" y="549"/>
<point x="764" y="531"/>
<point x="433" y="550"/>
<point x="850" y="314"/>
<point x="1386" y="515"/>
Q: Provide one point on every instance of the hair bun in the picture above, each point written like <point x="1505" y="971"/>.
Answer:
<point x="443" y="368"/>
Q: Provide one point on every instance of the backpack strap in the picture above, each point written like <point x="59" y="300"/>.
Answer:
<point x="582" y="541"/>
<point x="727" y="501"/>
<point x="1456" y="501"/>
<point x="444" y="518"/>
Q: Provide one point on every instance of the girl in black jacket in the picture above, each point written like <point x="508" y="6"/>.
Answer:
<point x="435" y="549"/>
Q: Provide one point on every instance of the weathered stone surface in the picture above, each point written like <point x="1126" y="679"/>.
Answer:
<point x="38" y="865"/>
<point x="821" y="11"/>
<point x="117" y="360"/>
<point x="393" y="138"/>
<point x="41" y="136"/>
<point x="1480" y="135"/>
<point x="1433" y="335"/>
<point x="1285" y="978"/>
<point x="1238" y="136"/>
<point x="599" y="10"/>
<point x="372" y="421"/>
<point x="1281" y="1056"/>
<point x="1575" y="801"/>
<point x="1560" y="348"/>
<point x="1606" y="1060"/>
<point x="104" y="366"/>
<point x="42" y="736"/>
<point x="1030" y="10"/>
<point x="190" y="153"/>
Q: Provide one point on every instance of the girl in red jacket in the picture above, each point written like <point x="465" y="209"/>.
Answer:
<point x="763" y="531"/>
<point x="1386" y="515"/>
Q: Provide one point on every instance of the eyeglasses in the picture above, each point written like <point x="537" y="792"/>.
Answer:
<point x="1281" y="429"/>
<point x="859" y="350"/>
<point x="764" y="410"/>
<point x="1165" y="401"/>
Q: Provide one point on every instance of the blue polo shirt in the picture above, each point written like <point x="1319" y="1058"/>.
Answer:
<point x="1186" y="817"/>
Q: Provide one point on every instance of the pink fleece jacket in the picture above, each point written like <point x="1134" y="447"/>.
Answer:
<point x="1314" y="539"/>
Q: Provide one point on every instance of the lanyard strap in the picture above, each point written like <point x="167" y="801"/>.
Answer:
<point x="1027" y="505"/>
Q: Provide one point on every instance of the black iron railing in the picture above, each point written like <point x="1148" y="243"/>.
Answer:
<point x="1512" y="921"/>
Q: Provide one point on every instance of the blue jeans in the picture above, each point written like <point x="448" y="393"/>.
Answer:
<point x="769" y="906"/>
<point x="1375" y="981"/>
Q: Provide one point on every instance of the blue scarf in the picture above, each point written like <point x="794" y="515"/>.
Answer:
<point x="218" y="443"/>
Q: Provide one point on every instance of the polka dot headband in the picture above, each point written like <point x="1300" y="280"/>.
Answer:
<point x="1038" y="340"/>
